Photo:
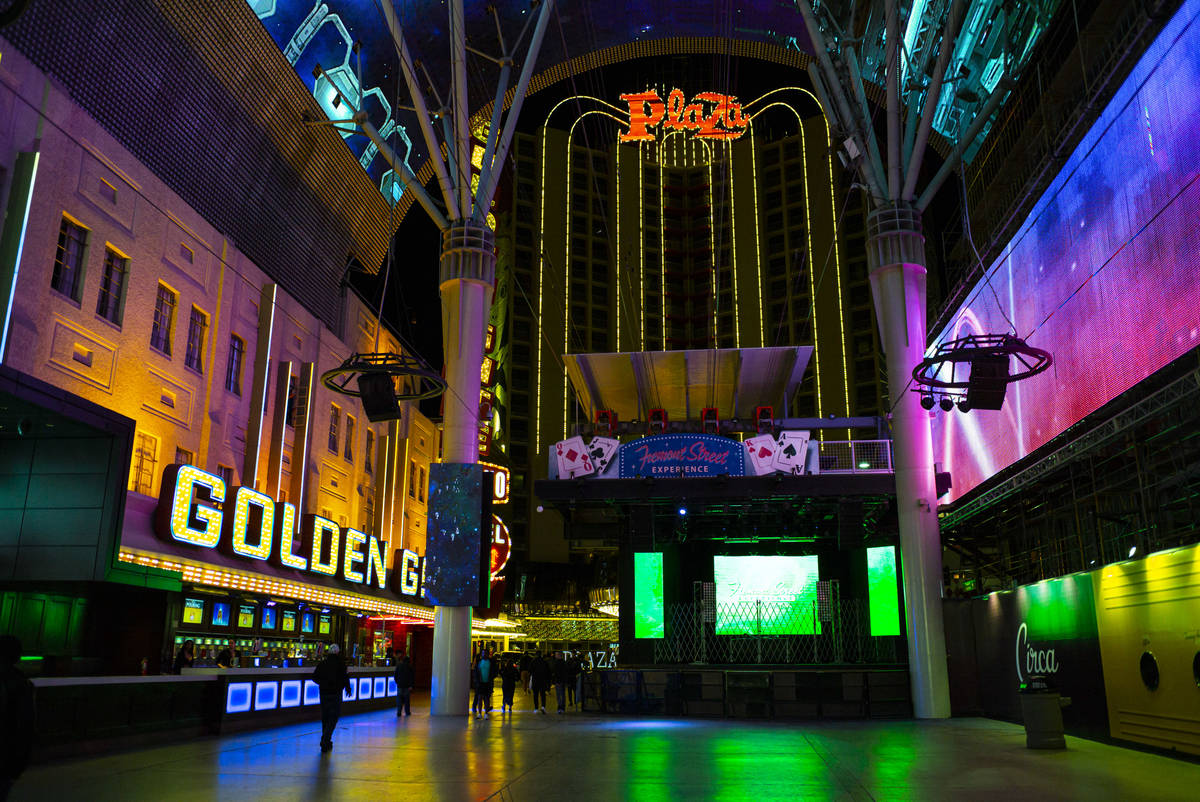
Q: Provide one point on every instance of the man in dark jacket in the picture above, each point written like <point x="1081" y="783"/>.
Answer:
<point x="404" y="685"/>
<point x="562" y="674"/>
<point x="483" y="674"/>
<point x="332" y="679"/>
<point x="16" y="715"/>
<point x="539" y="678"/>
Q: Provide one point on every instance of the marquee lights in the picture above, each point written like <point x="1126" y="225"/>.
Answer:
<point x="320" y="527"/>
<point x="709" y="116"/>
<point x="195" y="482"/>
<point x="285" y="524"/>
<point x="239" y="524"/>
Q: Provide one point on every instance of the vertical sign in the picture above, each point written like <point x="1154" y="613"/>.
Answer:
<point x="882" y="590"/>
<point x="648" y="595"/>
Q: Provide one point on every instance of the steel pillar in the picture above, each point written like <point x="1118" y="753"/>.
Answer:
<point x="466" y="276"/>
<point x="896" y="256"/>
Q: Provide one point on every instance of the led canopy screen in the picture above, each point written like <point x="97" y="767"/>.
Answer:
<point x="766" y="595"/>
<point x="193" y="611"/>
<point x="648" y="595"/>
<point x="454" y="540"/>
<point x="883" y="592"/>
<point x="1103" y="272"/>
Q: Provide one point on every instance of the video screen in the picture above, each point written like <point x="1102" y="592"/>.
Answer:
<point x="289" y="621"/>
<point x="766" y="595"/>
<point x="220" y="614"/>
<point x="246" y="615"/>
<point x="193" y="611"/>
<point x="268" y="618"/>
<point x="306" y="623"/>
<point x="883" y="594"/>
<point x="648" y="595"/>
<point x="454" y="540"/>
<point x="324" y="625"/>
<point x="1102" y="273"/>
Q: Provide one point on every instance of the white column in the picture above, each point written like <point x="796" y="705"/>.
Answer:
<point x="897" y="251"/>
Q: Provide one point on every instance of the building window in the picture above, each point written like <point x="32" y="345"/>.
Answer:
<point x="110" y="303"/>
<point x="68" y="260"/>
<point x="412" y="479"/>
<point x="233" y="369"/>
<point x="226" y="474"/>
<point x="370" y="452"/>
<point x="184" y="457"/>
<point x="145" y="459"/>
<point x="289" y="414"/>
<point x="348" y="450"/>
<point x="197" y="325"/>
<point x="421" y="487"/>
<point x="164" y="320"/>
<point x="334" y="418"/>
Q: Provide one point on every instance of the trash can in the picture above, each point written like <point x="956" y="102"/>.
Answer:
<point x="1041" y="708"/>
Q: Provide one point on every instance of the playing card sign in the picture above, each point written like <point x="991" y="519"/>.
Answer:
<point x="760" y="454"/>
<point x="573" y="458"/>
<point x="791" y="451"/>
<point x="601" y="450"/>
<point x="673" y="456"/>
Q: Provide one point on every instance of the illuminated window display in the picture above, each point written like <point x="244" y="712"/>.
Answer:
<point x="648" y="595"/>
<point x="884" y="596"/>
<point x="766" y="595"/>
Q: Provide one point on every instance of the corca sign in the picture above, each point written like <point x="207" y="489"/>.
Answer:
<point x="709" y="116"/>
<point x="252" y="525"/>
<point x="1032" y="661"/>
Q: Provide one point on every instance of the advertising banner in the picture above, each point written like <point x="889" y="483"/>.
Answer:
<point x="675" y="456"/>
<point x="1048" y="629"/>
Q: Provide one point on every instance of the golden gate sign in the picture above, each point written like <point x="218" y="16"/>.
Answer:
<point x="708" y="116"/>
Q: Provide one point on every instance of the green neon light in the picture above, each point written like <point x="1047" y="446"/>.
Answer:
<point x="882" y="592"/>
<point x="648" y="595"/>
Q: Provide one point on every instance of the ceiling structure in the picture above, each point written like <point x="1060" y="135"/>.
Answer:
<point x="343" y="48"/>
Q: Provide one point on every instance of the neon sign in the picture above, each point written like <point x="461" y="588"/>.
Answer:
<point x="709" y="116"/>
<point x="250" y="525"/>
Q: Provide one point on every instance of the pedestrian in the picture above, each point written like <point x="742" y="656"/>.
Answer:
<point x="332" y="679"/>
<point x="404" y="685"/>
<point x="539" y="678"/>
<point x="509" y="675"/>
<point x="185" y="658"/>
<point x="574" y="673"/>
<point x="482" y="678"/>
<point x="561" y="675"/>
<point x="225" y="658"/>
<point x="17" y="714"/>
<point x="526" y="660"/>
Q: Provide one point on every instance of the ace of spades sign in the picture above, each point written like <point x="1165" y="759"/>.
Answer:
<point x="791" y="452"/>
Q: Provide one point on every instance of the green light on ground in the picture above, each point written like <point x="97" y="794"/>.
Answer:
<point x="648" y="595"/>
<point x="882" y="592"/>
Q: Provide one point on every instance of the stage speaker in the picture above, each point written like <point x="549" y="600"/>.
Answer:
<point x="850" y="524"/>
<point x="378" y="397"/>
<point x="988" y="382"/>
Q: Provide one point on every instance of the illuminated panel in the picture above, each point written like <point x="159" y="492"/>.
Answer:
<point x="392" y="689"/>
<point x="238" y="697"/>
<point x="1102" y="273"/>
<point x="882" y="590"/>
<point x="266" y="695"/>
<point x="324" y="529"/>
<point x="364" y="688"/>
<point x="375" y="564"/>
<point x="285" y="531"/>
<point x="290" y="691"/>
<point x="243" y="500"/>
<point x="353" y="556"/>
<point x="617" y="252"/>
<point x="648" y="595"/>
<point x="312" y="693"/>
<point x="379" y="690"/>
<point x="352" y="694"/>
<point x="766" y="595"/>
<point x="186" y="509"/>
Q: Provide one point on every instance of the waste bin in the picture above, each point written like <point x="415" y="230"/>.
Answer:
<point x="1041" y="708"/>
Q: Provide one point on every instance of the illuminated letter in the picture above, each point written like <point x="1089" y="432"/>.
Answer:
<point x="285" y="531"/>
<point x="375" y="566"/>
<point x="180" y="503"/>
<point x="354" y="540"/>
<point x="645" y="109"/>
<point x="243" y="499"/>
<point x="318" y="528"/>
<point x="410" y="580"/>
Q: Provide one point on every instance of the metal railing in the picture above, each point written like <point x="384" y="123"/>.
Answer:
<point x="855" y="456"/>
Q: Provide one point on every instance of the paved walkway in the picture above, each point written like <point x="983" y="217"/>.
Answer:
<point x="581" y="756"/>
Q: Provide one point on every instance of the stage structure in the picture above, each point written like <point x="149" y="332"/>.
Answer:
<point x="896" y="254"/>
<point x="467" y="266"/>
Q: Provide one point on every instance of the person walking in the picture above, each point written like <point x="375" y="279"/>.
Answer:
<point x="332" y="679"/>
<point x="16" y="715"/>
<point x="561" y="676"/>
<point x="509" y="675"/>
<point x="185" y="658"/>
<point x="482" y="678"/>
<point x="526" y="661"/>
<point x="574" y="673"/>
<point x="405" y="677"/>
<point x="539" y="679"/>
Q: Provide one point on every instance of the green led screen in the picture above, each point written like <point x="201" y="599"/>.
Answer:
<point x="882" y="592"/>
<point x="648" y="595"/>
<point x="766" y="595"/>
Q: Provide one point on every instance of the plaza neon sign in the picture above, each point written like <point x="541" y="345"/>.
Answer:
<point x="709" y="116"/>
<point x="252" y="525"/>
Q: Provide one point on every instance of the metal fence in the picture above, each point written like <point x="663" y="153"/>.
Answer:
<point x="855" y="456"/>
<point x="828" y="632"/>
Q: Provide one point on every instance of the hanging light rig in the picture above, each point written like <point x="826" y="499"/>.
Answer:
<point x="974" y="372"/>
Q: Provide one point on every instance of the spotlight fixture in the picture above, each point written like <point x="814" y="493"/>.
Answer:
<point x="683" y="510"/>
<point x="946" y="403"/>
<point x="964" y="405"/>
<point x="1132" y="550"/>
<point x="927" y="401"/>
